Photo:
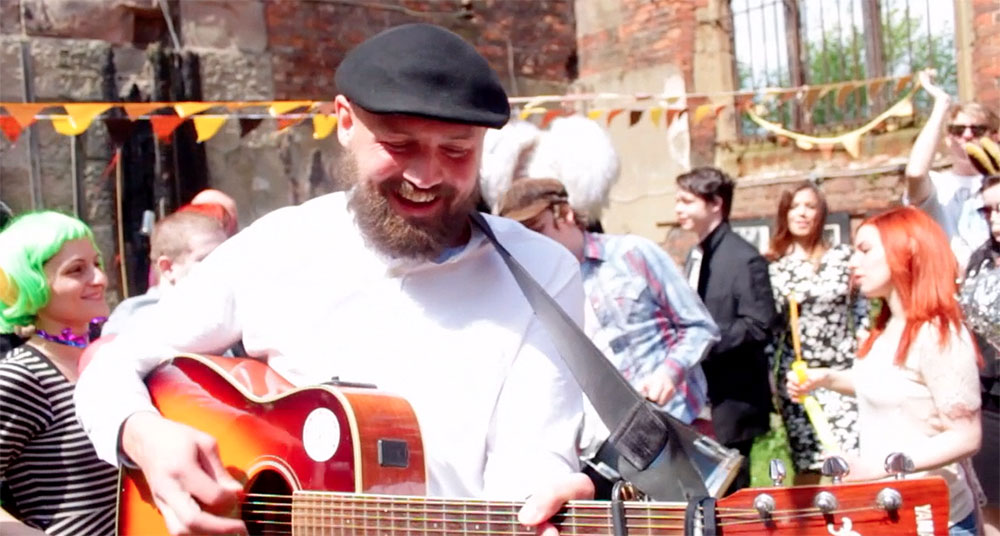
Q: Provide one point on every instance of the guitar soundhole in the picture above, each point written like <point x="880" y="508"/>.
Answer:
<point x="267" y="508"/>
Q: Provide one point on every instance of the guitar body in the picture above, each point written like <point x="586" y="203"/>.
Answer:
<point x="278" y="439"/>
<point x="348" y="460"/>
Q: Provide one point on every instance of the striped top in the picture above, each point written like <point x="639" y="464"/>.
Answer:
<point x="51" y="477"/>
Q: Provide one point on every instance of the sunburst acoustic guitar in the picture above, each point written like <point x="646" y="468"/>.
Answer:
<point x="339" y="459"/>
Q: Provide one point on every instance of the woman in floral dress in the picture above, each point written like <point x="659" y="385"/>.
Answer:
<point x="805" y="268"/>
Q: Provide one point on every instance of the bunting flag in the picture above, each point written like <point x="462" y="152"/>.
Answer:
<point x="851" y="141"/>
<point x="187" y="109"/>
<point x="247" y="124"/>
<point x="135" y="110"/>
<point x="119" y="130"/>
<point x="207" y="126"/>
<point x="24" y="112"/>
<point x="633" y="117"/>
<point x="10" y="128"/>
<point x="654" y="115"/>
<point x="79" y="115"/>
<point x="844" y="92"/>
<point x="612" y="114"/>
<point x="323" y="125"/>
<point x="164" y="126"/>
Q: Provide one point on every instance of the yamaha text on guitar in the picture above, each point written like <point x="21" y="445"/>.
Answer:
<point x="348" y="460"/>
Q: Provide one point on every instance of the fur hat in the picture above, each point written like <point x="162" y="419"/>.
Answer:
<point x="574" y="150"/>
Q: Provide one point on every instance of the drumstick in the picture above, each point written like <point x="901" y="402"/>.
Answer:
<point x="813" y="410"/>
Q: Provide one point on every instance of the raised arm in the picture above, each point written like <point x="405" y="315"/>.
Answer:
<point x="918" y="182"/>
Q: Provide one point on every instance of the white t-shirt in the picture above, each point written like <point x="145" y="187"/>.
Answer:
<point x="952" y="204"/>
<point x="900" y="408"/>
<point x="498" y="410"/>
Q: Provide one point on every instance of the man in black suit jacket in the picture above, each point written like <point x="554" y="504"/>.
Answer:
<point x="732" y="280"/>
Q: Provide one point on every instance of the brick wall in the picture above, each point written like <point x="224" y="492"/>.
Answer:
<point x="307" y="40"/>
<point x="986" y="52"/>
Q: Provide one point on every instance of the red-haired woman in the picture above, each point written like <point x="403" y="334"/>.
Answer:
<point x="916" y="376"/>
<point x="805" y="267"/>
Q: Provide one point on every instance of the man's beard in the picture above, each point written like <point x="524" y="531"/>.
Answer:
<point x="396" y="236"/>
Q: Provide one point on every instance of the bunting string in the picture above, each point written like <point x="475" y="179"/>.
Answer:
<point x="662" y="110"/>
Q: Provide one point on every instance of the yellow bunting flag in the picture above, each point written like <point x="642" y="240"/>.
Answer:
<point x="207" y="125"/>
<point x="283" y="107"/>
<point x="701" y="112"/>
<point x="187" y="109"/>
<point x="655" y="113"/>
<point x="78" y="118"/>
<point x="852" y="143"/>
<point x="323" y="125"/>
<point x="529" y="111"/>
<point x="24" y="112"/>
<point x="135" y="110"/>
<point x="903" y="108"/>
<point x="594" y="115"/>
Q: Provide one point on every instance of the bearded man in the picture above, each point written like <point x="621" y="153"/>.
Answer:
<point x="386" y="284"/>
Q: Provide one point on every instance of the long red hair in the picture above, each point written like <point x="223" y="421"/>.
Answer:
<point x="923" y="271"/>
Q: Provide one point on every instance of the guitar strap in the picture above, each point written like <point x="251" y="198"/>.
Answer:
<point x="645" y="438"/>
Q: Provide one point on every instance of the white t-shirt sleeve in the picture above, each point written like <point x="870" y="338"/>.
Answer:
<point x="199" y="315"/>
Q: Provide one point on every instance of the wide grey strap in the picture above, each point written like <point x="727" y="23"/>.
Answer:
<point x="637" y="432"/>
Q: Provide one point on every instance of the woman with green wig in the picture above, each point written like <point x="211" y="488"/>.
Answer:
<point x="51" y="289"/>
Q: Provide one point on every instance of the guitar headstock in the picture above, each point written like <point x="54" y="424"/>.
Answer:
<point x="912" y="506"/>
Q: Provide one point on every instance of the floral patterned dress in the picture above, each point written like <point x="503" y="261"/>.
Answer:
<point x="830" y="318"/>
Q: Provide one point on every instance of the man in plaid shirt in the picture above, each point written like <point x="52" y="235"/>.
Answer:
<point x="643" y="315"/>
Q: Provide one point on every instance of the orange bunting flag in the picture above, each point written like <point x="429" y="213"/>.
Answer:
<point x="165" y="125"/>
<point x="594" y="115"/>
<point x="285" y="122"/>
<point x="903" y="82"/>
<point x="135" y="110"/>
<point x="283" y="107"/>
<point x="612" y="114"/>
<point x="187" y="109"/>
<point x="826" y="150"/>
<point x="633" y="117"/>
<point x="875" y="88"/>
<point x="654" y="115"/>
<point x="810" y="96"/>
<point x="843" y="93"/>
<point x="207" y="125"/>
<point x="672" y="114"/>
<point x="83" y="114"/>
<point x="24" y="112"/>
<point x="323" y="125"/>
<point x="10" y="128"/>
<point x="550" y="115"/>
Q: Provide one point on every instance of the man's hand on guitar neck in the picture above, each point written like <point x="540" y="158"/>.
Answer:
<point x="543" y="505"/>
<point x="181" y="465"/>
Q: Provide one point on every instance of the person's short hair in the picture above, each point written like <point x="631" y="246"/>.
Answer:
<point x="26" y="244"/>
<point x="978" y="112"/>
<point x="172" y="235"/>
<point x="991" y="181"/>
<point x="527" y="199"/>
<point x="710" y="184"/>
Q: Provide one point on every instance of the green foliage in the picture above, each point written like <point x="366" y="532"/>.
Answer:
<point x="773" y="444"/>
<point x="839" y="55"/>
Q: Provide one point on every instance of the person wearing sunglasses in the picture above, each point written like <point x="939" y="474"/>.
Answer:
<point x="947" y="195"/>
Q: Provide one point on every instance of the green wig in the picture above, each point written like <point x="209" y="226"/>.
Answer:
<point x="26" y="244"/>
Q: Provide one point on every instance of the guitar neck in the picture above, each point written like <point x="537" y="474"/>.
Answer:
<point x="324" y="513"/>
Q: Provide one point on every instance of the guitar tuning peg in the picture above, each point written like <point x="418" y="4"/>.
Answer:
<point x="898" y="464"/>
<point x="776" y="470"/>
<point x="835" y="467"/>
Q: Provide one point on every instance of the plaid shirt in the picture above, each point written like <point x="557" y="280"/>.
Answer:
<point x="646" y="316"/>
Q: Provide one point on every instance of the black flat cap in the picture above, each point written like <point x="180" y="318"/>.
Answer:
<point x="423" y="70"/>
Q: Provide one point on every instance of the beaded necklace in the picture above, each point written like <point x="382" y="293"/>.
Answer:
<point x="67" y="337"/>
